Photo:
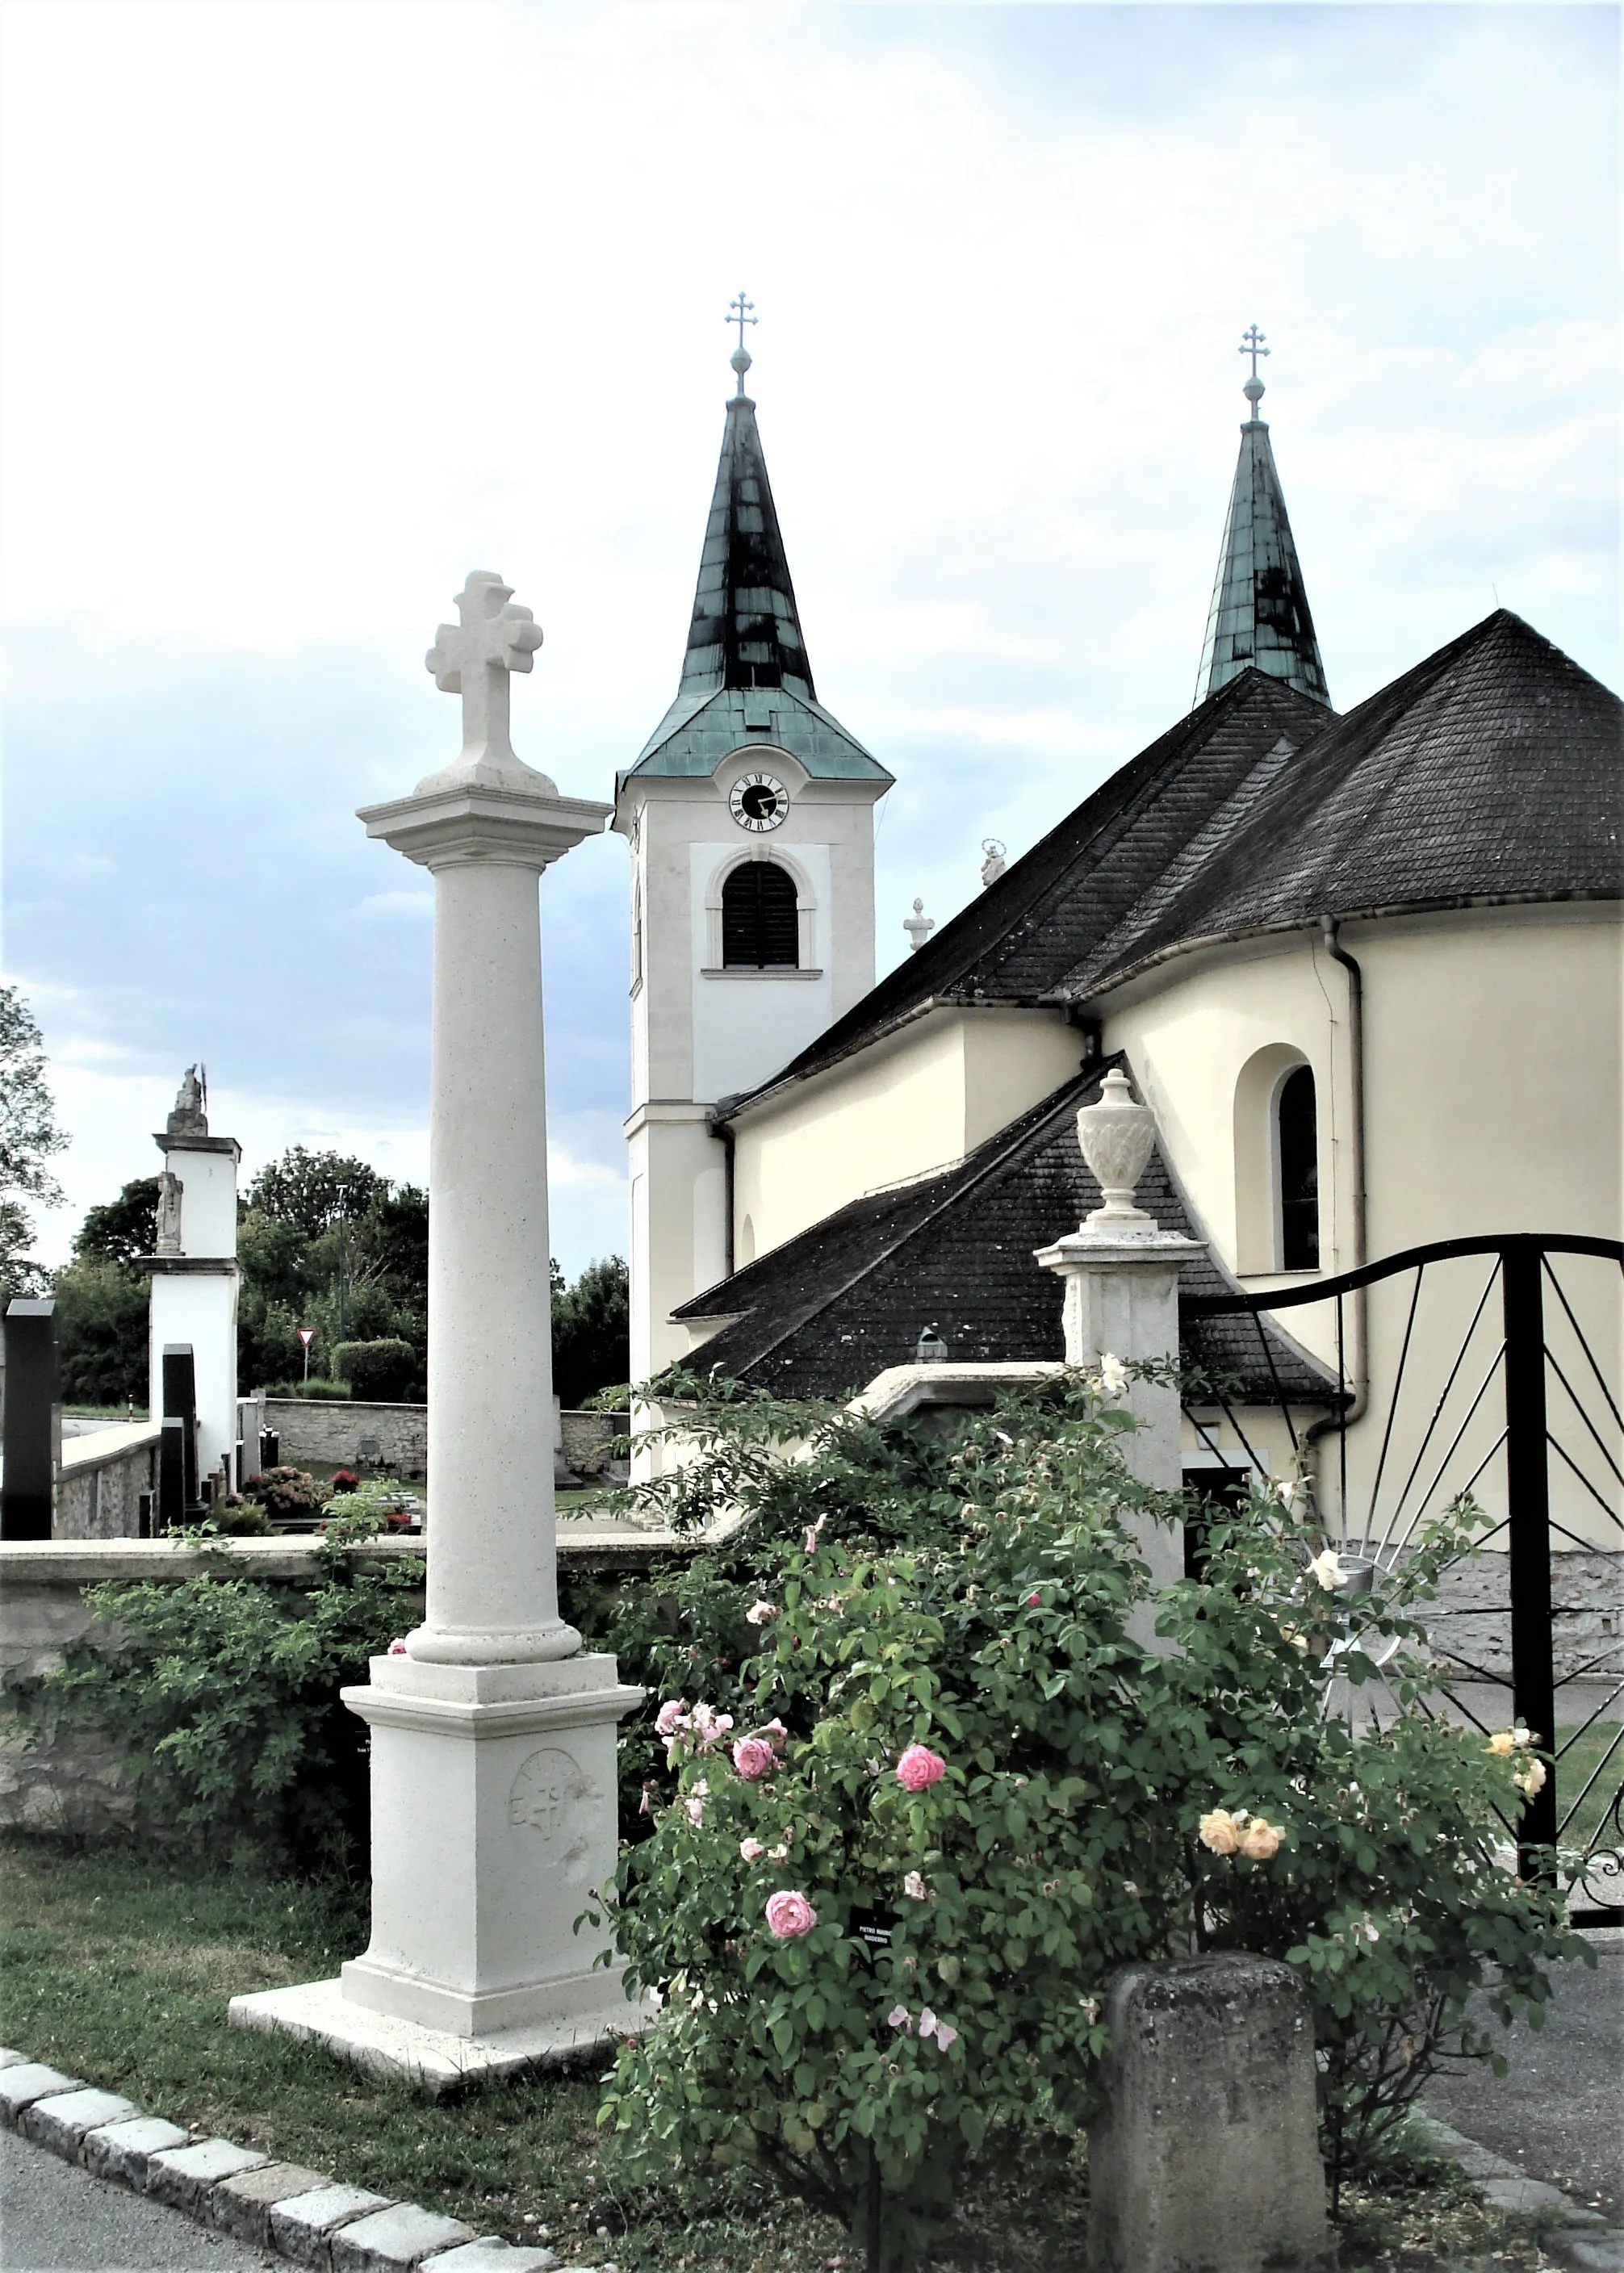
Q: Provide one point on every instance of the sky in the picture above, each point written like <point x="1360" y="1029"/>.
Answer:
<point x="309" y="309"/>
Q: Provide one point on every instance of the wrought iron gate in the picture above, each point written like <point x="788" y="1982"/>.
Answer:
<point x="1525" y="1415"/>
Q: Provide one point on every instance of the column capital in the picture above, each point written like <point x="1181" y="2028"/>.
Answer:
<point x="451" y="822"/>
<point x="1115" y="1249"/>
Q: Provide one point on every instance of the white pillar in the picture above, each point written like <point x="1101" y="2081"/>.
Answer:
<point x="493" y="1740"/>
<point x="1121" y="1272"/>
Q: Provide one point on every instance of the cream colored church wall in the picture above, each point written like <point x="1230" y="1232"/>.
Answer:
<point x="1492" y="1084"/>
<point x="916" y="1101"/>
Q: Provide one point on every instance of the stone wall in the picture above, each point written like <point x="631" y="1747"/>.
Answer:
<point x="56" y="1777"/>
<point x="318" y="1434"/>
<point x="102" y="1477"/>
<point x="1471" y="1617"/>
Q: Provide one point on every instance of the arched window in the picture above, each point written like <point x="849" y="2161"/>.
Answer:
<point x="760" y="928"/>
<point x="1297" y="1153"/>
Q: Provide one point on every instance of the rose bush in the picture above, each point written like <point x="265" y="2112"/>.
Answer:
<point x="882" y="1953"/>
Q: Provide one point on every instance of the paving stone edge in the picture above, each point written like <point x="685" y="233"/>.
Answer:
<point x="203" y="2199"/>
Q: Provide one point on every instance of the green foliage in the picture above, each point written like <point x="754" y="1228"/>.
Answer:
<point x="983" y="1598"/>
<point x="385" y="1372"/>
<point x="120" y="1230"/>
<point x="591" y="1332"/>
<point x="29" y="1138"/>
<point x="327" y="1243"/>
<point x="226" y="1692"/>
<point x="101" y="1323"/>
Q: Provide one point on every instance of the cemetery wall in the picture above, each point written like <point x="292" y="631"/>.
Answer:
<point x="329" y="1435"/>
<point x="101" y="1479"/>
<point x="58" y="1778"/>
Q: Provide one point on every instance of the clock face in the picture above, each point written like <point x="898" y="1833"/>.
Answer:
<point x="758" y="802"/>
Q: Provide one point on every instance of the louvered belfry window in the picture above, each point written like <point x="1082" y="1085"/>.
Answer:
<point x="760" y="930"/>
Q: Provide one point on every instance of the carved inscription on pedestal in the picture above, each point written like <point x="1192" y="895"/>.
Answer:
<point x="551" y="1799"/>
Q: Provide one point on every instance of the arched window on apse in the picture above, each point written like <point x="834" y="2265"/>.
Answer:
<point x="1297" y="1154"/>
<point x="760" y="929"/>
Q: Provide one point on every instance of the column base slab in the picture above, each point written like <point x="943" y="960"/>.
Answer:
<point x="439" y="2060"/>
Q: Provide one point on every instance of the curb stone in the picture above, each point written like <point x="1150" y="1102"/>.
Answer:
<point x="294" y="2213"/>
<point x="1583" y="2240"/>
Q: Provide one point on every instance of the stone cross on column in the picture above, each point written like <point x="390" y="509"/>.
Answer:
<point x="473" y="657"/>
<point x="1120" y="1271"/>
<point x="493" y="1732"/>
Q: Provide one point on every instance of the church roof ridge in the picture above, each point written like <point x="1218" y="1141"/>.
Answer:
<point x="1487" y="775"/>
<point x="1005" y="944"/>
<point x="1260" y="614"/>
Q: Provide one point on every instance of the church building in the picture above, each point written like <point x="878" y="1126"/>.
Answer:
<point x="1365" y="970"/>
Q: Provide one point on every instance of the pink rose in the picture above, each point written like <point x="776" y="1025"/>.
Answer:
<point x="897" y="2018"/>
<point x="790" y="1915"/>
<point x="1033" y="1599"/>
<point x="753" y="1756"/>
<point x="693" y="1805"/>
<point x="670" y="1716"/>
<point x="812" y="1529"/>
<point x="919" y="1766"/>
<point x="397" y="1647"/>
<point x="945" y="2035"/>
<point x="750" y="1849"/>
<point x="913" y="1886"/>
<point x="760" y="1614"/>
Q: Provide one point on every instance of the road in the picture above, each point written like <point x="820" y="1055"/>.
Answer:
<point x="56" y="2218"/>
<point x="1559" y="2114"/>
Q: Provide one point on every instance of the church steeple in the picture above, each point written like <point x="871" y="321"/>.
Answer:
<point x="1259" y="604"/>
<point x="745" y="631"/>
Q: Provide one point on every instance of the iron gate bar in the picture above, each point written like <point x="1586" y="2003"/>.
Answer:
<point x="1403" y="1356"/>
<point x="1523" y="1263"/>
<point x="1437" y="1474"/>
<point x="1584" y="1416"/>
<point x="1579" y="1333"/>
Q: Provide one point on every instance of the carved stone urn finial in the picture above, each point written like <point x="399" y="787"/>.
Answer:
<point x="1117" y="1136"/>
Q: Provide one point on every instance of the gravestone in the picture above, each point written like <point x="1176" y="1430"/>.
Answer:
<point x="33" y="1421"/>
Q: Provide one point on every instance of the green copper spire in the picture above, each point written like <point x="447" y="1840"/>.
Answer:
<point x="745" y="678"/>
<point x="1260" y="605"/>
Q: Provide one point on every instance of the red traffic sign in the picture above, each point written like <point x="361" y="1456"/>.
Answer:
<point x="307" y="1335"/>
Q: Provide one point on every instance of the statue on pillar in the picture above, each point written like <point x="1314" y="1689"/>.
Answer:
<point x="188" y="1118"/>
<point x="169" y="1190"/>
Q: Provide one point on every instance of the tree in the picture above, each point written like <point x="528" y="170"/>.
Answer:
<point x="327" y="1243"/>
<point x="591" y="1330"/>
<point x="29" y="1138"/>
<point x="120" y="1230"/>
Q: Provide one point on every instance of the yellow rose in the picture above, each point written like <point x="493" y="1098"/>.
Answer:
<point x="1533" y="1779"/>
<point x="1219" y="1832"/>
<point x="1261" y="1840"/>
<point x="1501" y="1742"/>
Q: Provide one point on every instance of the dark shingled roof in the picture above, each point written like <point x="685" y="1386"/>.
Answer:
<point x="1488" y="775"/>
<point x="837" y="1304"/>
<point x="1024" y="933"/>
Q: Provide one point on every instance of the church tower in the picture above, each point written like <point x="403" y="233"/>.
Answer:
<point x="750" y="816"/>
<point x="1260" y="605"/>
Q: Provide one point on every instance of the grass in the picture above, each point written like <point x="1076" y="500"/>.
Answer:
<point x="115" y="1965"/>
<point x="1575" y="1766"/>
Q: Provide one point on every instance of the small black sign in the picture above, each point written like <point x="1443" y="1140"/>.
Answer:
<point x="875" y="1930"/>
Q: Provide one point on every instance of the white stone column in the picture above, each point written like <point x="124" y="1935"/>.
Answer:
<point x="493" y="1741"/>
<point x="1120" y="1271"/>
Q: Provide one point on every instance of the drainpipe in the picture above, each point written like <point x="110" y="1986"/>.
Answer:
<point x="1358" y="1366"/>
<point x="725" y="1131"/>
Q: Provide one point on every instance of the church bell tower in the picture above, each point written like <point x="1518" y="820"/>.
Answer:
<point x="750" y="817"/>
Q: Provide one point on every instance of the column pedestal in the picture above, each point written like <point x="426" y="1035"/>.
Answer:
<point x="1122" y="1301"/>
<point x="493" y="1806"/>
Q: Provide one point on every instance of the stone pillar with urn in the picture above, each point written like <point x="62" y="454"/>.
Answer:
<point x="1120" y="1271"/>
<point x="493" y="1737"/>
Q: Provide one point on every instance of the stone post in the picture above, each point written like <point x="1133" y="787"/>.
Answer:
<point x="1120" y="1271"/>
<point x="33" y="1421"/>
<point x="494" y="1813"/>
<point x="1206" y="2155"/>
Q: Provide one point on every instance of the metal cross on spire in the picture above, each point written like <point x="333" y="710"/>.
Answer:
<point x="1252" y="344"/>
<point x="738" y="312"/>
